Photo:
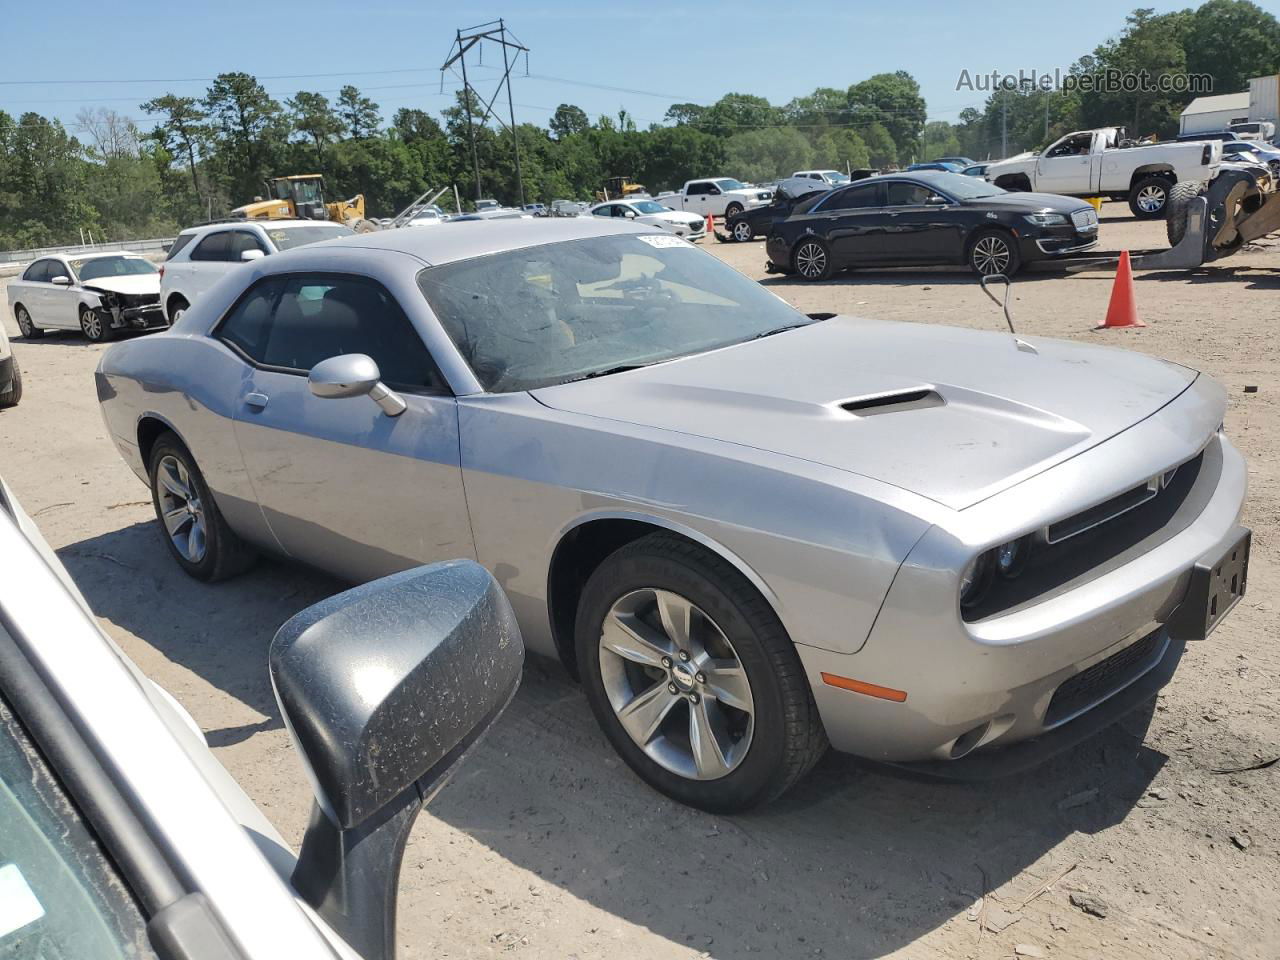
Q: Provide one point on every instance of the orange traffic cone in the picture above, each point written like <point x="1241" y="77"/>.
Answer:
<point x="1122" y="311"/>
<point x="711" y="224"/>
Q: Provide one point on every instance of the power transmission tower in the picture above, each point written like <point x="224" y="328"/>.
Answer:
<point x="494" y="31"/>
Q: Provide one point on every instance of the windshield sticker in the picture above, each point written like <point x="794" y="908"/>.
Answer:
<point x="18" y="904"/>
<point x="664" y="240"/>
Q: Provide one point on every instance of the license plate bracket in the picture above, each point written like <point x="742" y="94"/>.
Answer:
<point x="1217" y="584"/>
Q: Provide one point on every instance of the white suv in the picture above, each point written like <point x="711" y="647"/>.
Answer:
<point x="201" y="256"/>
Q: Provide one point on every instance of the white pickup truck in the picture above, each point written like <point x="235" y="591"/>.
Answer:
<point x="1092" y="163"/>
<point x="718" y="196"/>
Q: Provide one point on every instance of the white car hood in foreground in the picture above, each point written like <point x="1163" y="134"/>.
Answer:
<point x="133" y="285"/>
<point x="995" y="413"/>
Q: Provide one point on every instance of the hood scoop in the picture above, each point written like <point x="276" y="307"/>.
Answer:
<point x="893" y="402"/>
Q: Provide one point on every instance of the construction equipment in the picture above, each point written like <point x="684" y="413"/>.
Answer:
<point x="301" y="197"/>
<point x="618" y="188"/>
<point x="426" y="201"/>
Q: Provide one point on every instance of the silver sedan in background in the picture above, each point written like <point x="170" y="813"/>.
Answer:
<point x="751" y="533"/>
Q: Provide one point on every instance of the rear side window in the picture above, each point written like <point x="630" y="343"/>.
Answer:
<point x="180" y="241"/>
<point x="215" y="246"/>
<point x="294" y="321"/>
<point x="37" y="272"/>
<point x="903" y="194"/>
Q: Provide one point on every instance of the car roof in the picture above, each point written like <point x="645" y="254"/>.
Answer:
<point x="93" y="255"/>
<point x="452" y="241"/>
<point x="273" y="224"/>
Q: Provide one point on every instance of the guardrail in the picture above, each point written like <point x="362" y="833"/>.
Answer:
<point x="138" y="246"/>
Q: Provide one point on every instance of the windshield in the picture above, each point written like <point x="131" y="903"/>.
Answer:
<point x="964" y="188"/>
<point x="287" y="238"/>
<point x="731" y="184"/>
<point x="100" y="267"/>
<point x="549" y="314"/>
<point x="649" y="206"/>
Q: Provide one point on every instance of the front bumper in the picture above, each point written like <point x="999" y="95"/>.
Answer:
<point x="147" y="317"/>
<point x="977" y="690"/>
<point x="1041" y="242"/>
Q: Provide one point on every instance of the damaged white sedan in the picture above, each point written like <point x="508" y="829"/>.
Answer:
<point x="99" y="294"/>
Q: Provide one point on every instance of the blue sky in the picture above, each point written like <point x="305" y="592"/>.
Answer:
<point x="654" y="52"/>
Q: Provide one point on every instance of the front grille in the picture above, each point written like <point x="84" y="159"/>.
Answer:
<point x="1105" y="678"/>
<point x="1086" y="219"/>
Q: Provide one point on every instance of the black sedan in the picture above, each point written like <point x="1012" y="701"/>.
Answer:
<point x="758" y="221"/>
<point x="925" y="218"/>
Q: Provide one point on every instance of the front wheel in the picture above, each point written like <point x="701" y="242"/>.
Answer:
<point x="95" y="329"/>
<point x="194" y="531"/>
<point x="10" y="397"/>
<point x="732" y="210"/>
<point x="693" y="678"/>
<point x="28" y="329"/>
<point x="812" y="260"/>
<point x="1148" y="198"/>
<point x="993" y="252"/>
<point x="743" y="231"/>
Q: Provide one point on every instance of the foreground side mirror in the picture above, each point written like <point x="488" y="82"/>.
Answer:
<point x="383" y="689"/>
<point x="61" y="281"/>
<point x="935" y="201"/>
<point x="354" y="375"/>
<point x="248" y="256"/>
<point x="630" y="214"/>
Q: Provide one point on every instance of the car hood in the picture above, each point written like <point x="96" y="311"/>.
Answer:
<point x="976" y="412"/>
<point x="1027" y="202"/>
<point x="134" y="284"/>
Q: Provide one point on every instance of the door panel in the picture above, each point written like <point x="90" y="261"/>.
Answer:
<point x="854" y="223"/>
<point x="349" y="489"/>
<point x="60" y="303"/>
<point x="918" y="232"/>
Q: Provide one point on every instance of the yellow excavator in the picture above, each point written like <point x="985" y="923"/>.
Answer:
<point x="301" y="197"/>
<point x="618" y="188"/>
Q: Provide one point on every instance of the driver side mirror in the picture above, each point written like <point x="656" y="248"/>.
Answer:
<point x="935" y="200"/>
<point x="354" y="375"/>
<point x="383" y="689"/>
<point x="61" y="281"/>
<point x="630" y="214"/>
<point x="247" y="256"/>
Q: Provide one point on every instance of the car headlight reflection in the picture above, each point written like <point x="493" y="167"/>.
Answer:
<point x="1006" y="561"/>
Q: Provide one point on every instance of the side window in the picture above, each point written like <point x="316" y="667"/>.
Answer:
<point x="238" y="241"/>
<point x="699" y="189"/>
<point x="606" y="211"/>
<point x="180" y="241"/>
<point x="37" y="272"/>
<point x="55" y="268"/>
<point x="215" y="246"/>
<point x="295" y="321"/>
<point x="620" y="211"/>
<point x="854" y="198"/>
<point x="903" y="194"/>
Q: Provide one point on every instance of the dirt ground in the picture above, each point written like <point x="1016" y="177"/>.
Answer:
<point x="545" y="846"/>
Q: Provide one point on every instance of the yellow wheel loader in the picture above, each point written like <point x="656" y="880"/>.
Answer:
<point x="301" y="197"/>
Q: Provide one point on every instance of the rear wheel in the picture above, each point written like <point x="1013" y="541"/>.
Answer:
<point x="732" y="210"/>
<point x="993" y="252"/>
<point x="693" y="678"/>
<point x="1178" y="209"/>
<point x="11" y="396"/>
<point x="93" y="325"/>
<point x="28" y="329"/>
<point x="194" y="531"/>
<point x="1149" y="196"/>
<point x="177" y="307"/>
<point x="812" y="260"/>
<point x="743" y="231"/>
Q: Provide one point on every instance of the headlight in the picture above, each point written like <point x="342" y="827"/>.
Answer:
<point x="1046" y="219"/>
<point x="1006" y="561"/>
<point x="1011" y="557"/>
<point x="974" y="580"/>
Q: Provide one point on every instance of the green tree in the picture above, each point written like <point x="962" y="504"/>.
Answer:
<point x="767" y="154"/>
<point x="679" y="113"/>
<point x="249" y="132"/>
<point x="1233" y="41"/>
<point x="881" y="150"/>
<point x="567" y="120"/>
<point x="739" y="112"/>
<point x="359" y="113"/>
<point x="180" y="130"/>
<point x="313" y="116"/>
<point x="840" y="148"/>
<point x="893" y="100"/>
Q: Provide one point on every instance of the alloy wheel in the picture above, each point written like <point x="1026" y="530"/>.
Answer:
<point x="991" y="256"/>
<point x="91" y="324"/>
<point x="25" y="326"/>
<point x="742" y="231"/>
<point x="676" y="684"/>
<point x="811" y="260"/>
<point x="1151" y="198"/>
<point x="180" y="509"/>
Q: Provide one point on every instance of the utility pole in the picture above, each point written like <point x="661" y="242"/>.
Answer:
<point x="495" y="31"/>
<point x="1004" y="127"/>
<point x="1046" y="119"/>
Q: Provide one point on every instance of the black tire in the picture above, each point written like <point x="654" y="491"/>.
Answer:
<point x="11" y="396"/>
<point x="1177" y="207"/>
<point x="28" y="329"/>
<point x="787" y="737"/>
<point x="94" y="325"/>
<point x="1146" y="194"/>
<point x="993" y="252"/>
<point x="732" y="210"/>
<point x="742" y="231"/>
<point x="175" y="308"/>
<point x="225" y="554"/>
<point x="812" y="260"/>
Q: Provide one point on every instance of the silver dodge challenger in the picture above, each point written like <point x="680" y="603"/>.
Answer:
<point x="748" y="531"/>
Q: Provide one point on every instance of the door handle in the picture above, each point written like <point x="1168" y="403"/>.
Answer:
<point x="256" y="400"/>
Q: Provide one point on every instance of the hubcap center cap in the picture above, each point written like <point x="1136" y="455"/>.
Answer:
<point x="682" y="676"/>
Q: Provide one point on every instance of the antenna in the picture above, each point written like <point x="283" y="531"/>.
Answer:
<point x="1008" y="289"/>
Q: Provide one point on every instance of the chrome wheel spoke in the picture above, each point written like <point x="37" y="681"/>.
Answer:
<point x="707" y="737"/>
<point x="632" y="639"/>
<point x="676" y="614"/>
<point x="176" y="519"/>
<point x="170" y="480"/>
<point x="727" y="682"/>
<point x="645" y="713"/>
